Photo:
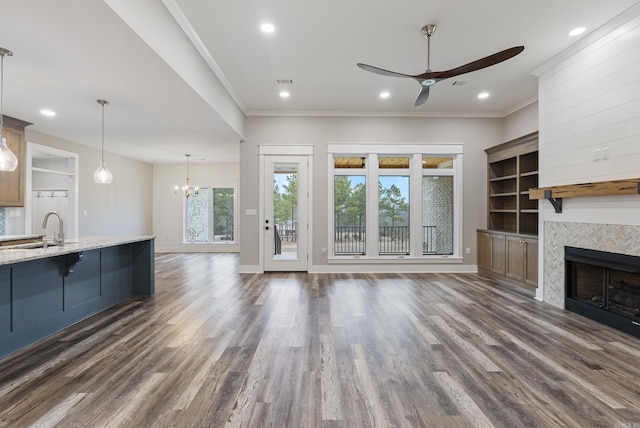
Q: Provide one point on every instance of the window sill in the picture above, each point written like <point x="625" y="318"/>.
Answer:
<point x="395" y="260"/>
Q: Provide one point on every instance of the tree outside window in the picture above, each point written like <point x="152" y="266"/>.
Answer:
<point x="223" y="214"/>
<point x="393" y="214"/>
<point x="350" y="214"/>
<point x="285" y="205"/>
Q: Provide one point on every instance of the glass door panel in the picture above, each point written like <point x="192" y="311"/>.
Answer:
<point x="285" y="213"/>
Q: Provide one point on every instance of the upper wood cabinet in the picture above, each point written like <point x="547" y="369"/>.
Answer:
<point x="12" y="183"/>
<point x="512" y="169"/>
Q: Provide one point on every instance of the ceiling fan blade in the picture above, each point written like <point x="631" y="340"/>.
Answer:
<point x="479" y="64"/>
<point x="380" y="71"/>
<point x="423" y="96"/>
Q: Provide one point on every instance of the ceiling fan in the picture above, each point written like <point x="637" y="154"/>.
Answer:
<point x="430" y="78"/>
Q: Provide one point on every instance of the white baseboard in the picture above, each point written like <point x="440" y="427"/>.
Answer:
<point x="197" y="249"/>
<point x="394" y="268"/>
<point x="250" y="269"/>
<point x="379" y="268"/>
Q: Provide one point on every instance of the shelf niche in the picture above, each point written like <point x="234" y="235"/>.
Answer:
<point x="512" y="170"/>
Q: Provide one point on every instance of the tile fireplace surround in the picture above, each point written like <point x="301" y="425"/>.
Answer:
<point x="613" y="238"/>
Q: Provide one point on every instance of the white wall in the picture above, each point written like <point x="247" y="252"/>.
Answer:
<point x="521" y="122"/>
<point x="168" y="207"/>
<point x="120" y="208"/>
<point x="476" y="134"/>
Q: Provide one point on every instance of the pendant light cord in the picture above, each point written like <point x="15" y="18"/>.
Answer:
<point x="102" y="151"/>
<point x="102" y="103"/>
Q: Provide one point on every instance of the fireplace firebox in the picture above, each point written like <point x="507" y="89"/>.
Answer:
<point x="605" y="287"/>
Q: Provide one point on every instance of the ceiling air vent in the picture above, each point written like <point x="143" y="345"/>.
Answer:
<point x="284" y="81"/>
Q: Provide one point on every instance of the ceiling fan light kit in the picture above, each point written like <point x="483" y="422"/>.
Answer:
<point x="430" y="78"/>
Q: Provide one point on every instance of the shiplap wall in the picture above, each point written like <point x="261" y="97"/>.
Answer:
<point x="590" y="100"/>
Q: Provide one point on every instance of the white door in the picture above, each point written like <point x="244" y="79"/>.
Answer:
<point x="285" y="225"/>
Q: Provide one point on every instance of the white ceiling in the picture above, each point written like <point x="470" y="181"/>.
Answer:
<point x="68" y="54"/>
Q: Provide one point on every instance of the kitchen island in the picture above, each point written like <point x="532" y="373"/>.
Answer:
<point x="43" y="290"/>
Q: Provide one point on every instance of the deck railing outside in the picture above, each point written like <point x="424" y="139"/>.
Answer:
<point x="351" y="239"/>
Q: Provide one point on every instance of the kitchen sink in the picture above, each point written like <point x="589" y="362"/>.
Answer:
<point x="27" y="246"/>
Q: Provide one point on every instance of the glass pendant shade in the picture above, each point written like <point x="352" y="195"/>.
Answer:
<point x="102" y="174"/>
<point x="8" y="161"/>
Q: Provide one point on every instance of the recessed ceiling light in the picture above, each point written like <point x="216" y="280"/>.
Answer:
<point x="46" y="112"/>
<point x="577" y="31"/>
<point x="384" y="94"/>
<point x="267" y="28"/>
<point x="483" y="95"/>
<point x="284" y="94"/>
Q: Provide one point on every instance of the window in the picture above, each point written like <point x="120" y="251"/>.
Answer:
<point x="437" y="215"/>
<point x="285" y="207"/>
<point x="350" y="214"/>
<point x="210" y="216"/>
<point x="197" y="224"/>
<point x="437" y="205"/>
<point x="349" y="202"/>
<point x="393" y="214"/>
<point x="223" y="221"/>
<point x="411" y="213"/>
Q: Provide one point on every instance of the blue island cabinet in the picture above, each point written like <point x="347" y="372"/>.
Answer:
<point x="5" y="300"/>
<point x="40" y="297"/>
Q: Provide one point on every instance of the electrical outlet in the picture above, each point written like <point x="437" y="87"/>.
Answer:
<point x="467" y="251"/>
<point x="324" y="251"/>
<point x="597" y="155"/>
<point x="605" y="153"/>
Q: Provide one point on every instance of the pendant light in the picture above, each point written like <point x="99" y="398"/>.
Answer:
<point x="186" y="189"/>
<point x="8" y="160"/>
<point x="102" y="174"/>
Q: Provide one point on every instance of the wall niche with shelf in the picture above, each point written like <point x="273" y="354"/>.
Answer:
<point x="52" y="186"/>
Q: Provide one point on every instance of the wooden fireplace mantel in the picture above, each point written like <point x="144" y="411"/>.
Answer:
<point x="555" y="194"/>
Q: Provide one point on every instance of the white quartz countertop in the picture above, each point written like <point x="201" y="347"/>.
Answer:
<point x="16" y="255"/>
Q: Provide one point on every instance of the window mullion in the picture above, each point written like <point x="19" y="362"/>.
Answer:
<point x="212" y="232"/>
<point x="415" y="207"/>
<point x="373" y="230"/>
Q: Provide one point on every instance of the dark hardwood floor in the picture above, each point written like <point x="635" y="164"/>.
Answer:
<point x="215" y="348"/>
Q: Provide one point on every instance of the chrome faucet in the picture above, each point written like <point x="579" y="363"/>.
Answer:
<point x="60" y="238"/>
